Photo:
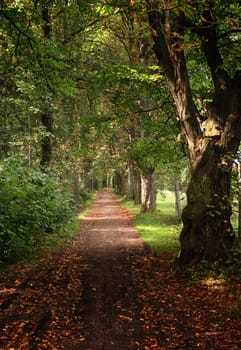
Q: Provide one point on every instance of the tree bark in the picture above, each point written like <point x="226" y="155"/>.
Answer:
<point x="178" y="200"/>
<point x="239" y="204"/>
<point x="130" y="181"/>
<point x="137" y="188"/>
<point x="207" y="231"/>
<point x="148" y="191"/>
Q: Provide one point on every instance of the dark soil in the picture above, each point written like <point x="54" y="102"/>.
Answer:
<point x="106" y="291"/>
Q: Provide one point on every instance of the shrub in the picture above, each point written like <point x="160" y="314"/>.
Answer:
<point x="32" y="204"/>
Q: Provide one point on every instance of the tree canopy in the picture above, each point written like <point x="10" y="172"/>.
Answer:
<point x="110" y="93"/>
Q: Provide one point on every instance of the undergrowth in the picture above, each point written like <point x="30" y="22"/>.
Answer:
<point x="35" y="208"/>
<point x="53" y="241"/>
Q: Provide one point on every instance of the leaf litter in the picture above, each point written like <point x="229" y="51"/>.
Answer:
<point x="103" y="292"/>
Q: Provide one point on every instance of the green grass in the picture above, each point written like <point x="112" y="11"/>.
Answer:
<point x="161" y="229"/>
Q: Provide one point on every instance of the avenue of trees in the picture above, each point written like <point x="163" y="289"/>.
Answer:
<point x="124" y="94"/>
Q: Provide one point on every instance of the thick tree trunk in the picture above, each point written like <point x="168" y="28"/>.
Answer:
<point x="207" y="232"/>
<point x="148" y="191"/>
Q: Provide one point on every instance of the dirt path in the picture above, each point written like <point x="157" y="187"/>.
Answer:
<point x="109" y="298"/>
<point x="105" y="291"/>
<point x="79" y="298"/>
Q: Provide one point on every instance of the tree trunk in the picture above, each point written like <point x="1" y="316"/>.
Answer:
<point x="130" y="181"/>
<point x="239" y="205"/>
<point x="137" y="188"/>
<point x="117" y="182"/>
<point x="120" y="182"/>
<point x="124" y="181"/>
<point x="207" y="231"/>
<point x="177" y="199"/>
<point x="148" y="191"/>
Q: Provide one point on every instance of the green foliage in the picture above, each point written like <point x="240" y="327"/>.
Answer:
<point x="32" y="204"/>
<point x="67" y="231"/>
<point x="230" y="270"/>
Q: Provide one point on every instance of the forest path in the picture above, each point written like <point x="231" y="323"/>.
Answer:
<point x="81" y="297"/>
<point x="105" y="291"/>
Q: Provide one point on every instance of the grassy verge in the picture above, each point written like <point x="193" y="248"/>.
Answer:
<point x="161" y="229"/>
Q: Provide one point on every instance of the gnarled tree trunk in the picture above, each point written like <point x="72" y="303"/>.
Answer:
<point x="207" y="231"/>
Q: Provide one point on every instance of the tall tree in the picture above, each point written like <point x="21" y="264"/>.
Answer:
<point x="207" y="231"/>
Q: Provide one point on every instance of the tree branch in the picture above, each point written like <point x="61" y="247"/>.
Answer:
<point x="160" y="46"/>
<point x="79" y="30"/>
<point x="209" y="38"/>
<point x="19" y="30"/>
